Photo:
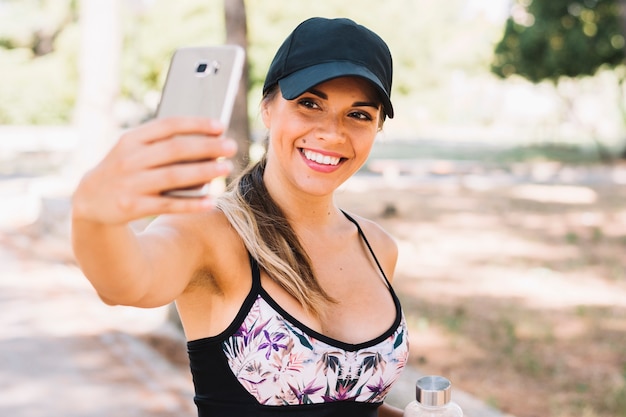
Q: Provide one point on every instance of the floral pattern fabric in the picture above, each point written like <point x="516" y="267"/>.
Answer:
<point x="279" y="364"/>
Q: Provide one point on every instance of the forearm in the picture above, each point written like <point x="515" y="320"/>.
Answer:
<point x="111" y="258"/>
<point x="387" y="410"/>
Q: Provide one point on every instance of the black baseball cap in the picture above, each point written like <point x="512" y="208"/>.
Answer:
<point x="321" y="49"/>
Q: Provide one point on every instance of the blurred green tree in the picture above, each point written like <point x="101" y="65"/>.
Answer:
<point x="40" y="40"/>
<point x="560" y="38"/>
<point x="34" y="25"/>
<point x="39" y="79"/>
<point x="551" y="40"/>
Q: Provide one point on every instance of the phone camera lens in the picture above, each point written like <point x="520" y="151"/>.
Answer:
<point x="201" y="68"/>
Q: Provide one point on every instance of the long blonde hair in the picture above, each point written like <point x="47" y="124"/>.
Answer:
<point x="270" y="239"/>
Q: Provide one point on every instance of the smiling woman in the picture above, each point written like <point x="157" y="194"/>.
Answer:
<point x="330" y="128"/>
<point x="285" y="299"/>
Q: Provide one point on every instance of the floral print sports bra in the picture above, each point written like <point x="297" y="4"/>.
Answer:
<point x="267" y="359"/>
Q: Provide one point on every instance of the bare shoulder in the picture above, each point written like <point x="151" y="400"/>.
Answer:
<point x="192" y="227"/>
<point x="205" y="238"/>
<point x="374" y="232"/>
<point x="382" y="242"/>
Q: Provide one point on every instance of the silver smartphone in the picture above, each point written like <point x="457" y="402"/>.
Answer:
<point x="201" y="81"/>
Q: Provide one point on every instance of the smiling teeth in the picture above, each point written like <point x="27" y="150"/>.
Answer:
<point x="321" y="159"/>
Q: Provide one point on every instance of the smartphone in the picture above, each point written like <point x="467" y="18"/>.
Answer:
<point x="201" y="81"/>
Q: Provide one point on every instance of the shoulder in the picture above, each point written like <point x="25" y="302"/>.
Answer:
<point x="192" y="228"/>
<point x="207" y="237"/>
<point x="374" y="232"/>
<point x="383" y="244"/>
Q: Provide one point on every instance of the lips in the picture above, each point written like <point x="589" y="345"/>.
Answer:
<point x="320" y="158"/>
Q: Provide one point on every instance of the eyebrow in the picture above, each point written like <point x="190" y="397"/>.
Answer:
<point x="324" y="96"/>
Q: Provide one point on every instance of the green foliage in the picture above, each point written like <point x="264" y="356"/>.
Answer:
<point x="32" y="95"/>
<point x="152" y="34"/>
<point x="33" y="24"/>
<point x="39" y="45"/>
<point x="428" y="40"/>
<point x="37" y="53"/>
<point x="546" y="40"/>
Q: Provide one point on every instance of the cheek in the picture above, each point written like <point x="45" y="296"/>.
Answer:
<point x="277" y="118"/>
<point x="287" y="129"/>
<point x="365" y="149"/>
<point x="282" y="135"/>
<point x="365" y="140"/>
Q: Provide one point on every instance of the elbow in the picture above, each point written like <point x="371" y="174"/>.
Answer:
<point x="132" y="300"/>
<point x="108" y="301"/>
<point x="128" y="299"/>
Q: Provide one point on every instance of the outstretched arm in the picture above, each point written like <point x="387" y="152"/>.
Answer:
<point x="138" y="269"/>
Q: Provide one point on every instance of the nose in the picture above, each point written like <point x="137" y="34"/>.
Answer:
<point x="332" y="129"/>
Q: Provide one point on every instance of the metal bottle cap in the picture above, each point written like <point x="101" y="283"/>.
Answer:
<point x="433" y="391"/>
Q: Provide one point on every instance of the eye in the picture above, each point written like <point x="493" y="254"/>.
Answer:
<point x="308" y="103"/>
<point x="360" y="115"/>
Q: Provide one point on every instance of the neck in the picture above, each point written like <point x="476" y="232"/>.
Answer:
<point x="301" y="209"/>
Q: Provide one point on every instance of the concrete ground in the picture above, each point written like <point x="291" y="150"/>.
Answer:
<point x="63" y="353"/>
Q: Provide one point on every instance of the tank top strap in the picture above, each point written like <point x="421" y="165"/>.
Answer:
<point x="256" y="272"/>
<point x="369" y="247"/>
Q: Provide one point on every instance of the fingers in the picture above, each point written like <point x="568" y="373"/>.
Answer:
<point x="129" y="182"/>
<point x="182" y="149"/>
<point x="107" y="200"/>
<point x="152" y="144"/>
<point x="160" y="129"/>
<point x="156" y="205"/>
<point x="169" y="177"/>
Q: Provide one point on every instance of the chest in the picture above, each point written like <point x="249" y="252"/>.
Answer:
<point x="362" y="306"/>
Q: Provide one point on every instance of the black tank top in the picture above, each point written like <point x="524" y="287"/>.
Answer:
<point x="267" y="363"/>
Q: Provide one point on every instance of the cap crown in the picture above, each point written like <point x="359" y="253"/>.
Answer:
<point x="319" y="41"/>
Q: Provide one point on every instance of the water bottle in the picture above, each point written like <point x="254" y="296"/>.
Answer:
<point x="432" y="399"/>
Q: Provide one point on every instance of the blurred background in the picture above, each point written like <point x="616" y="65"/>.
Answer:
<point x="502" y="176"/>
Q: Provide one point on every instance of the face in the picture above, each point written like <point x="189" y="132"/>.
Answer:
<point x="321" y="138"/>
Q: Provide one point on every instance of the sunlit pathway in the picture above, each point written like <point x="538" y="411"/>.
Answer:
<point x="64" y="353"/>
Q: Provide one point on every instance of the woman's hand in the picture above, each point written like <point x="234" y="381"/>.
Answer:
<point x="128" y="183"/>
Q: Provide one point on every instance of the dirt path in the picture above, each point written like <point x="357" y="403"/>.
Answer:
<point x="64" y="353"/>
<point x="516" y="292"/>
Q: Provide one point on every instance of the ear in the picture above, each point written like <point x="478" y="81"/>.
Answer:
<point x="265" y="113"/>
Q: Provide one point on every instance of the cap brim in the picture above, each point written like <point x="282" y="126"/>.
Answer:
<point x="300" y="81"/>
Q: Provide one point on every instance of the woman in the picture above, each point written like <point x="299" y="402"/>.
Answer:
<point x="284" y="298"/>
